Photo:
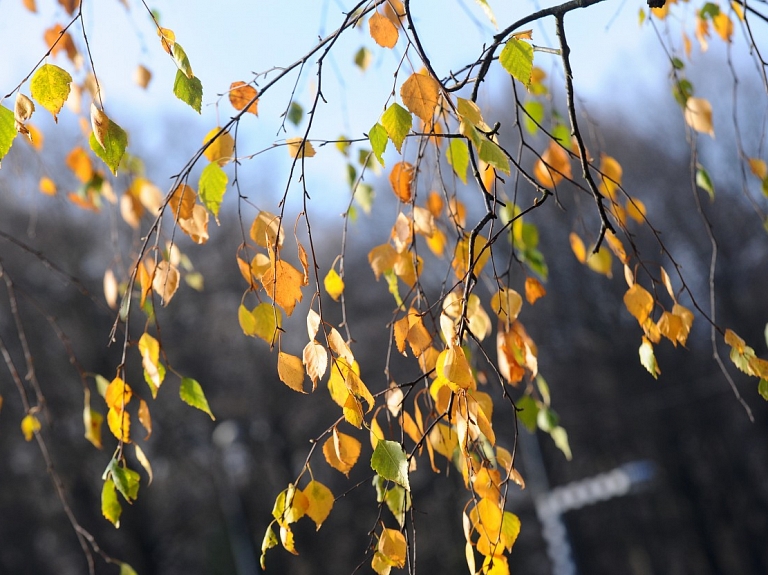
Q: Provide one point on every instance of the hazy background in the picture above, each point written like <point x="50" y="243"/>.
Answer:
<point x="706" y="509"/>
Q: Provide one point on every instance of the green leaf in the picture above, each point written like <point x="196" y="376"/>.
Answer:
<point x="517" y="59"/>
<point x="363" y="58"/>
<point x="458" y="157"/>
<point x="126" y="569"/>
<point x="7" y="130"/>
<point x="391" y="278"/>
<point x="397" y="121"/>
<point x="487" y="9"/>
<point x="704" y="181"/>
<point x="180" y="57"/>
<point x="364" y="195"/>
<point x="188" y="90"/>
<point x="648" y="359"/>
<point x="560" y="437"/>
<point x="399" y="502"/>
<point x="126" y="480"/>
<point x="389" y="461"/>
<point x="562" y="134"/>
<point x="546" y="419"/>
<point x="295" y="113"/>
<point x="534" y="116"/>
<point x="709" y="10"/>
<point x="492" y="154"/>
<point x="678" y="64"/>
<point x="191" y="393"/>
<point x="762" y="389"/>
<point x="534" y="259"/>
<point x="682" y="90"/>
<point x="212" y="185"/>
<point x="115" y="142"/>
<point x="50" y="87"/>
<point x="270" y="540"/>
<point x="378" y="138"/>
<point x="110" y="506"/>
<point x="528" y="412"/>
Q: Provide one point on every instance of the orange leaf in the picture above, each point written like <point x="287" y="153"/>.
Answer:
<point x="554" y="165"/>
<point x="401" y="180"/>
<point x="165" y="281"/>
<point x="80" y="163"/>
<point x="420" y="94"/>
<point x="47" y="186"/>
<point x="243" y="97"/>
<point x="283" y="282"/>
<point x="290" y="370"/>
<point x="533" y="290"/>
<point x="639" y="302"/>
<point x="382" y="30"/>
<point x="341" y="451"/>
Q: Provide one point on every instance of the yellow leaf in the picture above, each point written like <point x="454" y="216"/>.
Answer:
<point x="670" y="326"/>
<point x="452" y="365"/>
<point x="35" y="136"/>
<point x="382" y="30"/>
<point x="435" y="204"/>
<point x="320" y="501"/>
<point x="444" y="440"/>
<point x="340" y="347"/>
<point x="286" y="538"/>
<point x="686" y="318"/>
<point x="382" y="259"/>
<point x="420" y="94"/>
<point x="611" y="175"/>
<point x="636" y="210"/>
<point x="601" y="261"/>
<point x="533" y="290"/>
<point x="639" y="302"/>
<point x="267" y="230"/>
<point x="142" y="76"/>
<point x="290" y="369"/>
<point x="29" y="426"/>
<point x="394" y="10"/>
<point x="480" y="255"/>
<point x="315" y="359"/>
<point x="145" y="418"/>
<point x="154" y="372"/>
<point x="553" y="166"/>
<point x="144" y="461"/>
<point x="119" y="423"/>
<point x="196" y="227"/>
<point x="118" y="394"/>
<point x="221" y="149"/>
<point x="165" y="281"/>
<point x="723" y="26"/>
<point x="80" y="163"/>
<point x="507" y="303"/>
<point x="167" y="38"/>
<point x="401" y="180"/>
<point x="283" y="282"/>
<point x="577" y="246"/>
<point x="698" y="115"/>
<point x="486" y="518"/>
<point x="92" y="421"/>
<point x="241" y="95"/>
<point x="758" y="167"/>
<point x="437" y="242"/>
<point x="182" y="202"/>
<point x="341" y="451"/>
<point x="400" y="329"/>
<point x="334" y="285"/>
<point x="392" y="545"/>
<point x="300" y="148"/>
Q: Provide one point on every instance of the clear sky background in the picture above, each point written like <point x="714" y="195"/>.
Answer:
<point x="613" y="59"/>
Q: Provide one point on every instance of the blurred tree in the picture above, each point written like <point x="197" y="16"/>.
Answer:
<point x="471" y="235"/>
